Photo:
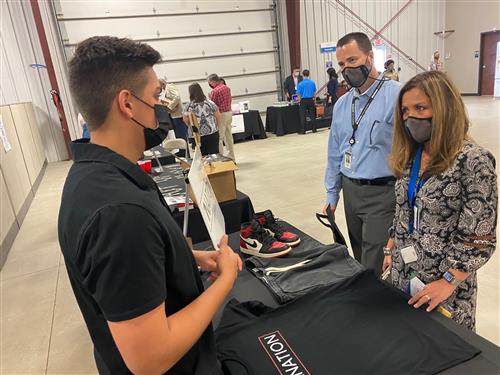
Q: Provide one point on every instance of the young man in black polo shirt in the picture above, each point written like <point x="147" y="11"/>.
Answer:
<point x="132" y="272"/>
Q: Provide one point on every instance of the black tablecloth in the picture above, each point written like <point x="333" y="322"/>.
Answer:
<point x="164" y="156"/>
<point x="283" y="120"/>
<point x="235" y="212"/>
<point x="248" y="288"/>
<point x="254" y="128"/>
<point x="286" y="120"/>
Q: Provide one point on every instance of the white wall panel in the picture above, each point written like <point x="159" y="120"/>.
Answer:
<point x="35" y="132"/>
<point x="469" y="20"/>
<point x="20" y="83"/>
<point x="227" y="65"/>
<point x="7" y="216"/>
<point x="12" y="163"/>
<point x="139" y="28"/>
<point x="173" y="49"/>
<point x="26" y="141"/>
<point x="81" y="8"/>
<point x="412" y="31"/>
<point x="15" y="63"/>
<point x="37" y="80"/>
<point x="189" y="53"/>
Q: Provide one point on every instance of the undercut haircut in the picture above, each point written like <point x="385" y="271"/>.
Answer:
<point x="101" y="67"/>
<point x="305" y="73"/>
<point x="361" y="40"/>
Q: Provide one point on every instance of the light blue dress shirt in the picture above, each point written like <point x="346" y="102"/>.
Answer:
<point x="373" y="137"/>
<point x="306" y="88"/>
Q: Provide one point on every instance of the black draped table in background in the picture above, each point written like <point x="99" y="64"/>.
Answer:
<point x="248" y="288"/>
<point x="163" y="156"/>
<point x="286" y="120"/>
<point x="254" y="128"/>
<point x="171" y="183"/>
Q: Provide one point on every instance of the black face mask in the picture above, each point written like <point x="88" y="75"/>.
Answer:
<point x="356" y="76"/>
<point x="154" y="137"/>
<point x="420" y="129"/>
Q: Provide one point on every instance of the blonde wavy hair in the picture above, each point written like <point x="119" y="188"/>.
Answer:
<point x="450" y="124"/>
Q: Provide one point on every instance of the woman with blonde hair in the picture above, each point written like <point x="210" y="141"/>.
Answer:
<point x="446" y="200"/>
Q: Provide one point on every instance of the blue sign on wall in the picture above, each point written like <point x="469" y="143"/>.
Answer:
<point x="327" y="47"/>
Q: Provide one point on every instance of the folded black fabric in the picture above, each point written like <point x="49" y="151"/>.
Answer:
<point x="303" y="270"/>
<point x="358" y="326"/>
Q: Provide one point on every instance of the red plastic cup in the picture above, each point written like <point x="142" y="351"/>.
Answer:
<point x="145" y="165"/>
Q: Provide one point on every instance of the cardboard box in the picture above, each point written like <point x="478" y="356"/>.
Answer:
<point x="222" y="179"/>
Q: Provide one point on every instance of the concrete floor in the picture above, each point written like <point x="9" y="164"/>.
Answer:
<point x="42" y="330"/>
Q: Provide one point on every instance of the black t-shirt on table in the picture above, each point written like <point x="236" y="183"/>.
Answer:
<point x="357" y="326"/>
<point x="125" y="254"/>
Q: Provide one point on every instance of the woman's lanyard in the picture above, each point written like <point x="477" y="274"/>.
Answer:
<point x="414" y="187"/>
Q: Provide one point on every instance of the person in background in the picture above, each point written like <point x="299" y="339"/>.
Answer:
<point x="436" y="63"/>
<point x="390" y="72"/>
<point x="307" y="92"/>
<point x="208" y="117"/>
<point x="358" y="147"/>
<point x="444" y="227"/>
<point x="221" y="96"/>
<point x="85" y="128"/>
<point x="332" y="86"/>
<point x="172" y="99"/>
<point x="291" y="83"/>
<point x="134" y="276"/>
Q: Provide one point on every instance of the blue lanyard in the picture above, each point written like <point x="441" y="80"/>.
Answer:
<point x="414" y="186"/>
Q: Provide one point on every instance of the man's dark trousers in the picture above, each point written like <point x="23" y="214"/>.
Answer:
<point x="369" y="211"/>
<point x="307" y="114"/>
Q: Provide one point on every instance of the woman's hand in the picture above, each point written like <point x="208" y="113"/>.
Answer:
<point x="433" y="293"/>
<point x="387" y="262"/>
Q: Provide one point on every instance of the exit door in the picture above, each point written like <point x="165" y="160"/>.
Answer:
<point x="487" y="62"/>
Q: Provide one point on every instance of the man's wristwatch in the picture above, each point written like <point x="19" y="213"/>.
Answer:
<point x="448" y="276"/>
<point x="387" y="251"/>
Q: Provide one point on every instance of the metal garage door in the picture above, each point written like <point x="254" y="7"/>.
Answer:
<point x="236" y="39"/>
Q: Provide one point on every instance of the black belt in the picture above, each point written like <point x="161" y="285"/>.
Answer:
<point x="375" y="181"/>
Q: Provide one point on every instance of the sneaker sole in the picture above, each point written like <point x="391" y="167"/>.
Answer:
<point x="292" y="244"/>
<point x="262" y="255"/>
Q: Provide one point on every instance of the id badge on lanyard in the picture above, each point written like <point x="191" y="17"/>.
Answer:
<point x="414" y="186"/>
<point x="348" y="159"/>
<point x="355" y="123"/>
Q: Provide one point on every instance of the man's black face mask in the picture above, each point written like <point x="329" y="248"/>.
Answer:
<point x="154" y="137"/>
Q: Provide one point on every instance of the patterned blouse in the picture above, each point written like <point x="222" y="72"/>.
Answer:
<point x="457" y="228"/>
<point x="205" y="113"/>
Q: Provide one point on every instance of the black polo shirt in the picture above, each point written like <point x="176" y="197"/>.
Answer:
<point x="125" y="254"/>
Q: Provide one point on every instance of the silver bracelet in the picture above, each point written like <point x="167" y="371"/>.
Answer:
<point x="387" y="251"/>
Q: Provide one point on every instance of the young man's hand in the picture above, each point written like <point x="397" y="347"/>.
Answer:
<point x="228" y="262"/>
<point x="206" y="260"/>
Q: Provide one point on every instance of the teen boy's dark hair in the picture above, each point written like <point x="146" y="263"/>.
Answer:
<point x="101" y="67"/>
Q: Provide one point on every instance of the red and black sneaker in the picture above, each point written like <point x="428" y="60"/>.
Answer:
<point x="274" y="228"/>
<point x="255" y="240"/>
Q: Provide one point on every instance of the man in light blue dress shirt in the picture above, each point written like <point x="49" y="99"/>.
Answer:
<point x="358" y="148"/>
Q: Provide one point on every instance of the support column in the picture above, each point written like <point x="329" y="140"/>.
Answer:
<point x="51" y="71"/>
<point x="293" y="21"/>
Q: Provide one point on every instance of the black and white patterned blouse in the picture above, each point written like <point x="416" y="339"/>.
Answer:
<point x="457" y="227"/>
<point x="205" y="113"/>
